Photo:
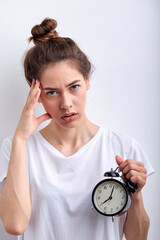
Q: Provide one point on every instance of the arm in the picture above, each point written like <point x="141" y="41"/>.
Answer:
<point x="137" y="221"/>
<point x="15" y="204"/>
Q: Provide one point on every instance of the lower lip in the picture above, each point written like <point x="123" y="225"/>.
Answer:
<point x="69" y="118"/>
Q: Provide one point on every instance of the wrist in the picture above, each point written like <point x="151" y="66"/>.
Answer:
<point x="137" y="197"/>
<point x="18" y="139"/>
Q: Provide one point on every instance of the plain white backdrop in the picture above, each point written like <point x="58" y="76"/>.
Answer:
<point x="121" y="38"/>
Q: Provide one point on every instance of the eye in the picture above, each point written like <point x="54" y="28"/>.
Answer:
<point x="75" y="87"/>
<point x="52" y="93"/>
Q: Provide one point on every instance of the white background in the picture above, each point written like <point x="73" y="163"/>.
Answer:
<point x="121" y="38"/>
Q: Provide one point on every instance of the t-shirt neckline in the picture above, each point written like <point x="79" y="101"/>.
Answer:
<point x="58" y="153"/>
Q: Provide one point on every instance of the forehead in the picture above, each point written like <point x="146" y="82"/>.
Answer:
<point x="60" y="73"/>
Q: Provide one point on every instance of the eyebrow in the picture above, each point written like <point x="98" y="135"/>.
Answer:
<point x="70" y="84"/>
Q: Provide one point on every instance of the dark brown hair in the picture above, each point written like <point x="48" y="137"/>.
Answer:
<point x="50" y="48"/>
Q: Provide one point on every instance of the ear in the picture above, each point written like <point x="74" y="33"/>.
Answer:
<point x="87" y="80"/>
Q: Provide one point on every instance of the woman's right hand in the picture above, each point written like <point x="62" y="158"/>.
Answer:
<point x="28" y="122"/>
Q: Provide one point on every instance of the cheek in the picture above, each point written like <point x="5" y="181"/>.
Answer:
<point x="82" y="99"/>
<point x="79" y="104"/>
<point x="50" y="107"/>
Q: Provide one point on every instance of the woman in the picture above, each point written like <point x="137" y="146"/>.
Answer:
<point x="47" y="177"/>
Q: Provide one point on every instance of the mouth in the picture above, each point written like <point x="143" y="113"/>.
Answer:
<point x="69" y="117"/>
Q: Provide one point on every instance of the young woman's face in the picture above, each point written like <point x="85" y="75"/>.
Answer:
<point x="63" y="94"/>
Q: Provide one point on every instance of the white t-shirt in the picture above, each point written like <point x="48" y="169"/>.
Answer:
<point x="61" y="187"/>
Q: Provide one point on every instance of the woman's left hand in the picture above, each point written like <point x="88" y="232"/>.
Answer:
<point x="133" y="170"/>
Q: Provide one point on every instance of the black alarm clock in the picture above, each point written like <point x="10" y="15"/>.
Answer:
<point x="112" y="197"/>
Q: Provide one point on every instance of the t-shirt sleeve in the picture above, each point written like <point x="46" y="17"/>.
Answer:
<point x="137" y="153"/>
<point x="5" y="151"/>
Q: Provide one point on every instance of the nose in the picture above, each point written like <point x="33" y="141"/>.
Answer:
<point x="66" y="101"/>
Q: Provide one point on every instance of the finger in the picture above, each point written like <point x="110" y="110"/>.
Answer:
<point x="130" y="162"/>
<point x="33" y="96"/>
<point x="32" y="83"/>
<point x="140" y="182"/>
<point x="37" y="95"/>
<point x="133" y="173"/>
<point x="43" y="118"/>
<point x="34" y="88"/>
<point x="119" y="160"/>
<point x="134" y="166"/>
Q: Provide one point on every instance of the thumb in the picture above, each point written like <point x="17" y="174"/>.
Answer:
<point x="119" y="160"/>
<point x="43" y="118"/>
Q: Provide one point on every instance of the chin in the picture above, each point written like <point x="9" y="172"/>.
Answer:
<point x="68" y="125"/>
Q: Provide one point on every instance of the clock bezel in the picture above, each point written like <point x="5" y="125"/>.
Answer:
<point x="93" y="193"/>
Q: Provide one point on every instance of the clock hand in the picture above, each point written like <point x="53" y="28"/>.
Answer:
<point x="110" y="197"/>
<point x="112" y="191"/>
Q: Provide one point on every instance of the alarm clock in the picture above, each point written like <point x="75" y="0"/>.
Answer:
<point x="112" y="197"/>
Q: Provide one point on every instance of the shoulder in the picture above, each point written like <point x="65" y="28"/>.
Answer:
<point x="128" y="147"/>
<point x="125" y="145"/>
<point x="116" y="138"/>
<point x="35" y="138"/>
<point x="120" y="137"/>
<point x="6" y="143"/>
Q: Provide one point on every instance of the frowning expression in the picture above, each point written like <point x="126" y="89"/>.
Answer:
<point x="63" y="93"/>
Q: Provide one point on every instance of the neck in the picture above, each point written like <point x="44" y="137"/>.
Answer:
<point x="70" y="136"/>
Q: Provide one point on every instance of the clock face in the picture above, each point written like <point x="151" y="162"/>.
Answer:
<point x="109" y="197"/>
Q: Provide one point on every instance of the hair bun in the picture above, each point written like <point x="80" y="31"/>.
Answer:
<point x="44" y="31"/>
